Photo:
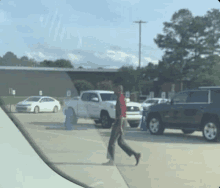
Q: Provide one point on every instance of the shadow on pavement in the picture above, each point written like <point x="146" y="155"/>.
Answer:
<point x="60" y="126"/>
<point x="143" y="136"/>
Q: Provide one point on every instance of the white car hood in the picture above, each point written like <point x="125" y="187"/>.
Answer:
<point x="25" y="102"/>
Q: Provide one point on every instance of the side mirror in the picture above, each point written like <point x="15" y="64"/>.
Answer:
<point x="95" y="99"/>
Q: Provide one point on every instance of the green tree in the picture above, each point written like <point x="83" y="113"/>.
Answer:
<point x="129" y="78"/>
<point x="105" y="85"/>
<point x="186" y="44"/>
<point x="47" y="63"/>
<point x="83" y="85"/>
<point x="175" y="42"/>
<point x="207" y="77"/>
<point x="10" y="59"/>
<point x="1" y="61"/>
<point x="25" y="61"/>
<point x="63" y="63"/>
<point x="213" y="31"/>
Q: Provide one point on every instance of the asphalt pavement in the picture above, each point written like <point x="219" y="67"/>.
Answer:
<point x="170" y="160"/>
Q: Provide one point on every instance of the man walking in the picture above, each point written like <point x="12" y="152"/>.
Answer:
<point x="117" y="130"/>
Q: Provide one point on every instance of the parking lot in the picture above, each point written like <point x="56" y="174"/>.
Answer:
<point x="170" y="160"/>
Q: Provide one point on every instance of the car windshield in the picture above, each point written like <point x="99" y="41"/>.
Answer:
<point x="33" y="99"/>
<point x="108" y="97"/>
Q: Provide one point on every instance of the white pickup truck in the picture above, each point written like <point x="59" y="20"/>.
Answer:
<point x="100" y="106"/>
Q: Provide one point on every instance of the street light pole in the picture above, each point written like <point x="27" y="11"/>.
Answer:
<point x="140" y="22"/>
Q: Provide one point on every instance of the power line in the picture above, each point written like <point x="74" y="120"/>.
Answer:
<point x="140" y="22"/>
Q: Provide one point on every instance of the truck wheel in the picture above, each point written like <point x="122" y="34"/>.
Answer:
<point x="211" y="130"/>
<point x="106" y="120"/>
<point x="187" y="131"/>
<point x="155" y="125"/>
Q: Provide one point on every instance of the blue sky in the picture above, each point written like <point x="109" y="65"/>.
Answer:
<point x="98" y="33"/>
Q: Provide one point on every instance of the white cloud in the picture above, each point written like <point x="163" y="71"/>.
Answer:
<point x="119" y="56"/>
<point x="73" y="57"/>
<point x="108" y="59"/>
<point x="148" y="59"/>
<point x="39" y="56"/>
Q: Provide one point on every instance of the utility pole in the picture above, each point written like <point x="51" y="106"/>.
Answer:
<point x="140" y="22"/>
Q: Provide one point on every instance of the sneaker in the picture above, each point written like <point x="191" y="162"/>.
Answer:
<point x="137" y="157"/>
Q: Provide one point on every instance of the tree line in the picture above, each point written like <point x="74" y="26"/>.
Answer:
<point x="10" y="59"/>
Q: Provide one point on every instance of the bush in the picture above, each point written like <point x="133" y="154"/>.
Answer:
<point x="105" y="85"/>
<point x="83" y="85"/>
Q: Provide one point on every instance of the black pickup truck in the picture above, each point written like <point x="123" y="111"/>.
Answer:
<point x="189" y="110"/>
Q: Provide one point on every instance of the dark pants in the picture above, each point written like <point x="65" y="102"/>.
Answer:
<point x="116" y="135"/>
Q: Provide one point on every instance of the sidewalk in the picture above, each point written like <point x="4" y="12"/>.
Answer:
<point x="78" y="153"/>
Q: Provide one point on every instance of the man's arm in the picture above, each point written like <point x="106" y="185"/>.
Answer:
<point x="118" y="109"/>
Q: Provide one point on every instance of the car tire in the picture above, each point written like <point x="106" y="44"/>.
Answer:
<point x="55" y="109"/>
<point x="106" y="120"/>
<point x="207" y="129"/>
<point x="187" y="131"/>
<point x="134" y="125"/>
<point x="157" y="128"/>
<point x="36" y="110"/>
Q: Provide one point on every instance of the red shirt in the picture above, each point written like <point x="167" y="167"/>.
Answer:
<point x="122" y="106"/>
